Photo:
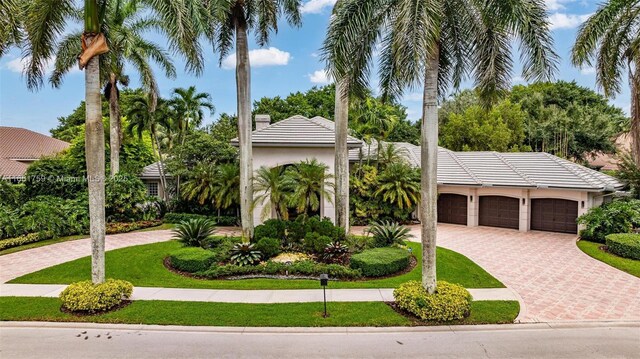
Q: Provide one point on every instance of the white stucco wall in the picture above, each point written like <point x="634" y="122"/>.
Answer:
<point x="278" y="156"/>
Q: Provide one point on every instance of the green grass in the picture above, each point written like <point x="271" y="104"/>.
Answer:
<point x="375" y="314"/>
<point x="73" y="238"/>
<point x="628" y="265"/>
<point x="143" y="266"/>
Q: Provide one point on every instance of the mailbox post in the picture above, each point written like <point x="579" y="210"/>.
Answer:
<point x="324" y="281"/>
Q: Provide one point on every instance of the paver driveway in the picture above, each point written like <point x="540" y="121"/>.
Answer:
<point x="556" y="280"/>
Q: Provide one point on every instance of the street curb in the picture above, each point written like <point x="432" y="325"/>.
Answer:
<point x="326" y="330"/>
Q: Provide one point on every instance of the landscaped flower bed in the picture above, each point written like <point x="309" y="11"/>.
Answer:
<point x="312" y="247"/>
<point x="124" y="227"/>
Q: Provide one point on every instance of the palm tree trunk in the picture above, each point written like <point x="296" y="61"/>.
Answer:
<point x="429" y="163"/>
<point x="243" y="86"/>
<point x="115" y="136"/>
<point x="635" y="112"/>
<point x="94" y="145"/>
<point x="342" y="155"/>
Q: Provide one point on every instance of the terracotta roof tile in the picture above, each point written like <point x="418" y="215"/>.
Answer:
<point x="19" y="146"/>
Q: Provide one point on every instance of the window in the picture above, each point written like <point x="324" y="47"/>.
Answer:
<point x="152" y="188"/>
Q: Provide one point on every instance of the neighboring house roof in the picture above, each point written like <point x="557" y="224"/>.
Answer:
<point x="298" y="131"/>
<point x="510" y="169"/>
<point x="607" y="161"/>
<point x="152" y="171"/>
<point x="19" y="147"/>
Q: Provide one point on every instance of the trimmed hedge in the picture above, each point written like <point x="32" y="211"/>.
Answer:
<point x="379" y="262"/>
<point x="625" y="245"/>
<point x="124" y="227"/>
<point x="191" y="259"/>
<point x="449" y="302"/>
<point x="182" y="217"/>
<point x="89" y="298"/>
<point x="302" y="268"/>
<point x="269" y="247"/>
<point x="24" y="239"/>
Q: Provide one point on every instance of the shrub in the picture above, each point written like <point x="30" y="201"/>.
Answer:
<point x="226" y="220"/>
<point x="10" y="224"/>
<point x="335" y="252"/>
<point x="449" y="302"/>
<point x="194" y="232"/>
<point x="9" y="194"/>
<point x="624" y="244"/>
<point x="269" y="247"/>
<point x="172" y="217"/>
<point x="618" y="216"/>
<point x="324" y="227"/>
<point x="243" y="254"/>
<point x="86" y="297"/>
<point x="315" y="243"/>
<point x="387" y="233"/>
<point x="358" y="243"/>
<point x="302" y="268"/>
<point x="61" y="217"/>
<point x="191" y="259"/>
<point x="271" y="228"/>
<point x="24" y="239"/>
<point x="124" y="196"/>
<point x="124" y="227"/>
<point x="379" y="262"/>
<point x="54" y="176"/>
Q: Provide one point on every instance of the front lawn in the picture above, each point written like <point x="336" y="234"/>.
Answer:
<point x="376" y="314"/>
<point x="143" y="266"/>
<point x="628" y="265"/>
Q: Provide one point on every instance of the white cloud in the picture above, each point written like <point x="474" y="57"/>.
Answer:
<point x="260" y="58"/>
<point x="517" y="79"/>
<point x="588" y="70"/>
<point x="554" y="5"/>
<point x="320" y="77"/>
<point x="566" y="21"/>
<point x="18" y="65"/>
<point x="414" y="97"/>
<point x="316" y="6"/>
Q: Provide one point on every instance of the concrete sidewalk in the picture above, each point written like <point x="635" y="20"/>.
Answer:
<point x="247" y="296"/>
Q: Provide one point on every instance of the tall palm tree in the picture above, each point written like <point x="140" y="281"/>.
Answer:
<point x="227" y="190"/>
<point x="399" y="185"/>
<point x="435" y="44"/>
<point x="273" y="187"/>
<point x="44" y="23"/>
<point x="236" y="18"/>
<point x="11" y="29"/>
<point x="310" y="183"/>
<point x="609" y="39"/>
<point x="202" y="183"/>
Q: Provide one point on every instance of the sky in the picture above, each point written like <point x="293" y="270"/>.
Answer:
<point x="289" y="63"/>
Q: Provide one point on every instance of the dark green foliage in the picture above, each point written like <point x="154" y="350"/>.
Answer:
<point x="245" y="254"/>
<point x="271" y="228"/>
<point x="125" y="195"/>
<point x="618" y="216"/>
<point x="10" y="193"/>
<point x="221" y="247"/>
<point x="60" y="217"/>
<point x="315" y="243"/>
<point x="629" y="173"/>
<point x="269" y="247"/>
<point x="191" y="259"/>
<point x="358" y="243"/>
<point x="10" y="225"/>
<point x="625" y="245"/>
<point x="194" y="232"/>
<point x="387" y="233"/>
<point x="181" y="217"/>
<point x="54" y="176"/>
<point x="379" y="262"/>
<point x="335" y="252"/>
<point x="300" y="268"/>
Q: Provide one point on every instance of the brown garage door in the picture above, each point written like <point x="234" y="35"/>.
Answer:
<point x="499" y="211"/>
<point x="452" y="208"/>
<point x="554" y="215"/>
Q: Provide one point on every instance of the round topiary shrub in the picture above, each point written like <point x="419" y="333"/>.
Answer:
<point x="624" y="244"/>
<point x="89" y="298"/>
<point x="269" y="247"/>
<point x="379" y="262"/>
<point x="191" y="259"/>
<point x="449" y="302"/>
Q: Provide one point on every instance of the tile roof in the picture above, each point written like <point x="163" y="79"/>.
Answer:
<point x="19" y="147"/>
<point x="298" y="131"/>
<point x="152" y="172"/>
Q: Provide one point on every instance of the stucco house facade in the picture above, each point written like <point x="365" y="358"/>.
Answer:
<point x="523" y="191"/>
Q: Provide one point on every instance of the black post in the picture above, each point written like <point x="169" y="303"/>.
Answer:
<point x="324" y="293"/>
<point x="324" y="280"/>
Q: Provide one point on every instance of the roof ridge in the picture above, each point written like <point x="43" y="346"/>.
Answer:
<point x="569" y="167"/>
<point x="514" y="168"/>
<point x="462" y="165"/>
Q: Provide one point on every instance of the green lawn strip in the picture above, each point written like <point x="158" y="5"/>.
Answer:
<point x="375" y="314"/>
<point x="628" y="265"/>
<point x="47" y="242"/>
<point x="143" y="266"/>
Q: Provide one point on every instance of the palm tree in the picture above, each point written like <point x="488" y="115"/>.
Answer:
<point x="388" y="153"/>
<point x="274" y="188"/>
<point x="227" y="190"/>
<point x="609" y="38"/>
<point x="124" y="28"/>
<point x="310" y="183"/>
<point x="11" y="29"/>
<point x="45" y="21"/>
<point x="437" y="43"/>
<point x="399" y="185"/>
<point x="235" y="18"/>
<point x="202" y="183"/>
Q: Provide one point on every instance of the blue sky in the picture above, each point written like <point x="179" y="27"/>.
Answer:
<point x="289" y="63"/>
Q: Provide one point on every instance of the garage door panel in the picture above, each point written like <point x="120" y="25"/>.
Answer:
<point x="452" y="208"/>
<point x="554" y="215"/>
<point x="499" y="211"/>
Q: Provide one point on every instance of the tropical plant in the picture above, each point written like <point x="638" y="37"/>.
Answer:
<point x="46" y="23"/>
<point x="609" y="41"/>
<point x="244" y="254"/>
<point x="201" y="184"/>
<point x="335" y="252"/>
<point x="273" y="190"/>
<point x="189" y="105"/>
<point x="310" y="183"/>
<point x="436" y="44"/>
<point x="227" y="191"/>
<point x="618" y="216"/>
<point x="387" y="233"/>
<point x="194" y="232"/>
<point x="389" y="153"/>
<point x="234" y="20"/>
<point x="125" y="196"/>
<point x="629" y="172"/>
<point x="399" y="185"/>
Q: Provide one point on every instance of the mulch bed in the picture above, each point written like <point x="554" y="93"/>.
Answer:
<point x="122" y="304"/>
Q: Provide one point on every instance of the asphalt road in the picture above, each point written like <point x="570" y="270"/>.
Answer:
<point x="621" y="340"/>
